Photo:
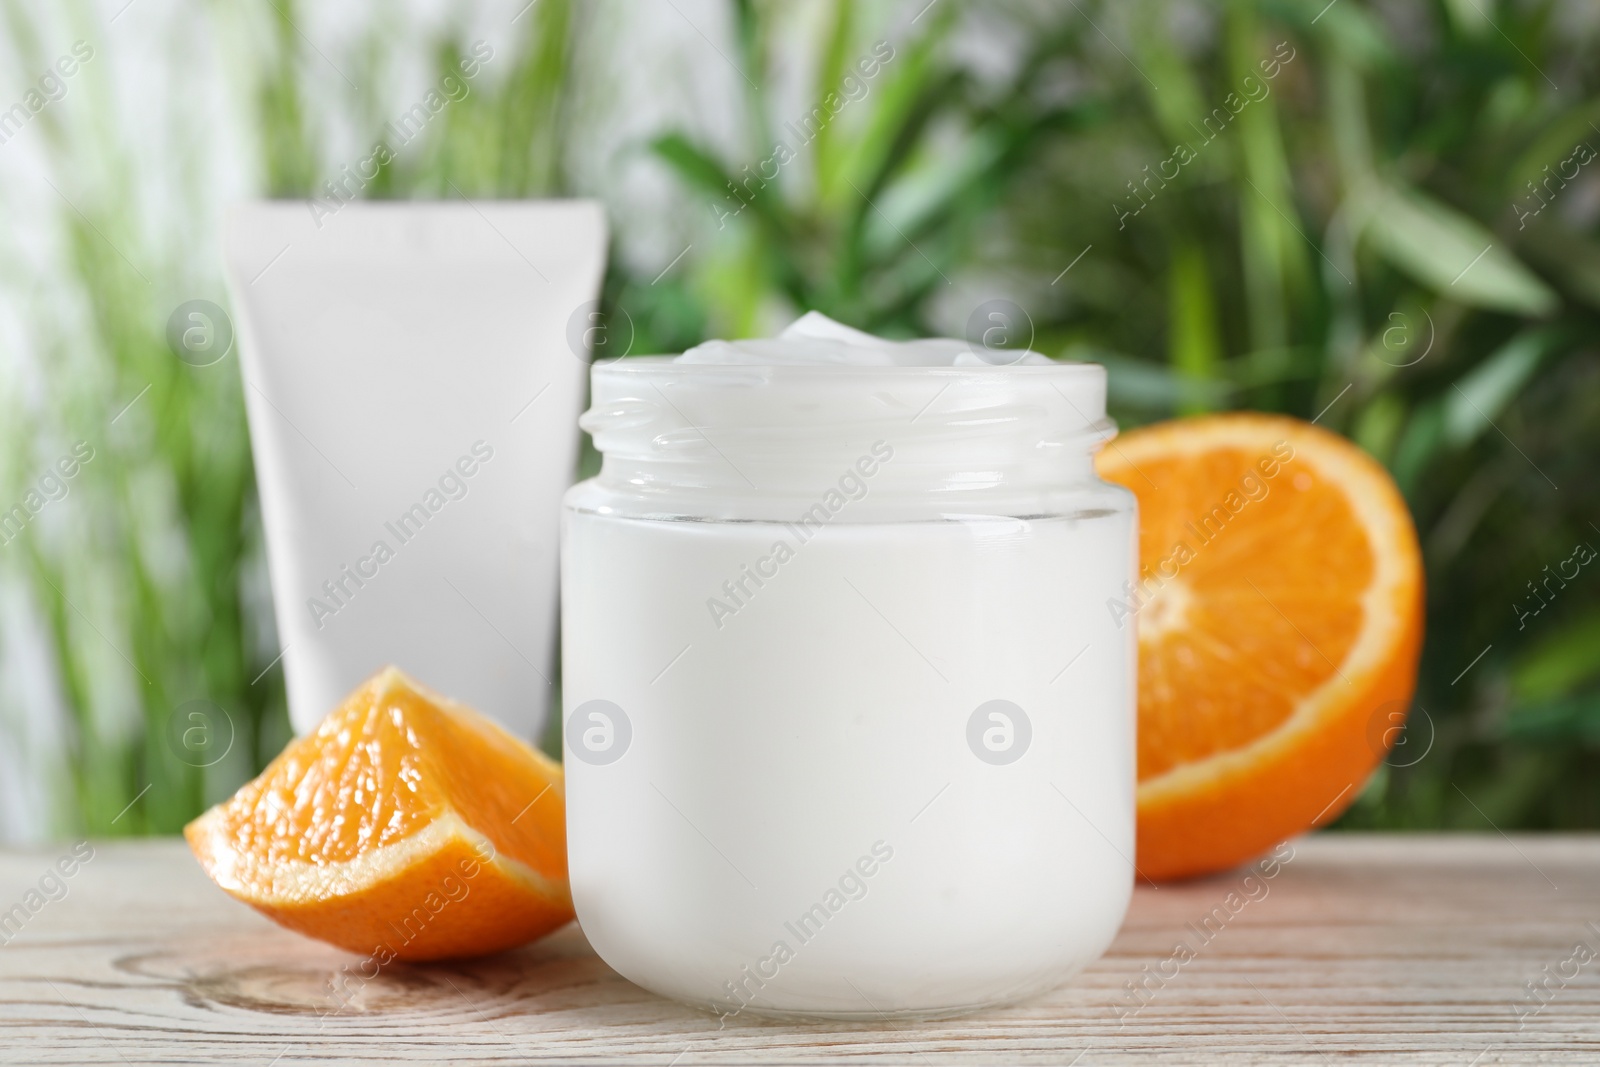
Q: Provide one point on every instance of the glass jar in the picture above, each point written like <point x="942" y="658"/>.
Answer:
<point x="849" y="720"/>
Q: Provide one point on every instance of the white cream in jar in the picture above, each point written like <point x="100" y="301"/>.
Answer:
<point x="849" y="726"/>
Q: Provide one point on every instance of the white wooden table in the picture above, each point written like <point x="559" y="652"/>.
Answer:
<point x="1396" y="949"/>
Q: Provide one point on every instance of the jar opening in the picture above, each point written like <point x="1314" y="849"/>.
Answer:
<point x="783" y="431"/>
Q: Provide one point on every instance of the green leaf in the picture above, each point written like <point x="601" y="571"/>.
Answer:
<point x="728" y="198"/>
<point x="904" y="95"/>
<point x="831" y="70"/>
<point x="1178" y="102"/>
<point x="1378" y="425"/>
<point x="1353" y="31"/>
<point x="1469" y="16"/>
<point x="1479" y="397"/>
<point x="1559" y="663"/>
<point x="1192" y="341"/>
<point x="1542" y="160"/>
<point x="1445" y="250"/>
<point x="1144" y="386"/>
<point x="927" y="197"/>
<point x="694" y="164"/>
<point x="1557" y="721"/>
<point x="1272" y="245"/>
<point x="1419" y="443"/>
<point x="1568" y="257"/>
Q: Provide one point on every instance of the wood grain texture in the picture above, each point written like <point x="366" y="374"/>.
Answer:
<point x="1374" y="949"/>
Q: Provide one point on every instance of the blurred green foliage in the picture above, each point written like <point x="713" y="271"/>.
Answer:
<point x="1382" y="216"/>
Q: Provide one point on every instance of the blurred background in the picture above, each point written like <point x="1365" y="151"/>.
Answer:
<point x="1379" y="213"/>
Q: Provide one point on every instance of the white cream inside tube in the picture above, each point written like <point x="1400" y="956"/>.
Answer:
<point x="411" y="391"/>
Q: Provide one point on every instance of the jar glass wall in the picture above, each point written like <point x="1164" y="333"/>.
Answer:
<point x="849" y="723"/>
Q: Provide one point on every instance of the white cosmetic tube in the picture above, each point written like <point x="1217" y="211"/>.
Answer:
<point x="413" y="374"/>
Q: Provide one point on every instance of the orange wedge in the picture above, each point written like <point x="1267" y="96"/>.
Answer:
<point x="1279" y="614"/>
<point x="405" y="827"/>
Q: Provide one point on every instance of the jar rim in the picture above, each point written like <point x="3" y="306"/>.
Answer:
<point x="668" y="366"/>
<point x="781" y="429"/>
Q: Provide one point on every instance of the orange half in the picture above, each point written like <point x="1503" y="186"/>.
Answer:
<point x="1279" y="616"/>
<point x="406" y="826"/>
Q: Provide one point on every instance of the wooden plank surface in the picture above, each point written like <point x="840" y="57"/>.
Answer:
<point x="1380" y="949"/>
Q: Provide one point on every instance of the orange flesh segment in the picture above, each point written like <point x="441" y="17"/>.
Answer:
<point x="1279" y="609"/>
<point x="390" y="762"/>
<point x="1259" y="631"/>
<point x="397" y="795"/>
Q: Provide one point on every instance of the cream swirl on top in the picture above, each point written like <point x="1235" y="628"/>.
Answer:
<point x="814" y="338"/>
